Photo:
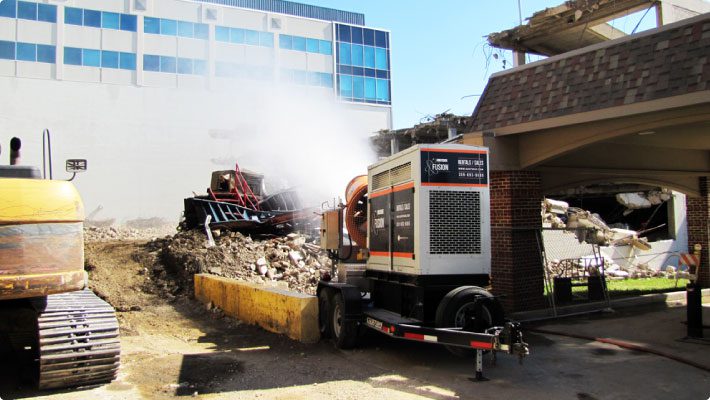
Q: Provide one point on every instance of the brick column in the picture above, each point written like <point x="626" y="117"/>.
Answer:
<point x="697" y="215"/>
<point x="516" y="271"/>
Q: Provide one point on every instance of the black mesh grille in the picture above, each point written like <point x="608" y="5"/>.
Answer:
<point x="454" y="222"/>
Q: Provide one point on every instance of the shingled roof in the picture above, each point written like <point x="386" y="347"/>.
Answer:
<point x="670" y="61"/>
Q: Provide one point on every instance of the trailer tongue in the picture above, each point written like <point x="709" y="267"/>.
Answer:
<point x="416" y="258"/>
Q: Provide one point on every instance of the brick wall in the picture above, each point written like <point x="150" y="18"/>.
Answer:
<point x="516" y="271"/>
<point x="698" y="214"/>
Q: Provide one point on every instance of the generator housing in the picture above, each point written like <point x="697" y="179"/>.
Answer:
<point x="428" y="226"/>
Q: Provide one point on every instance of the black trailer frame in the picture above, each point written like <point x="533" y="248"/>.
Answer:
<point x="507" y="338"/>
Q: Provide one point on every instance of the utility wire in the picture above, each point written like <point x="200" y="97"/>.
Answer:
<point x="643" y="16"/>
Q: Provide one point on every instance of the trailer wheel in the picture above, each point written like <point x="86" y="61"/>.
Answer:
<point x="469" y="301"/>
<point x="344" y="332"/>
<point x="324" y="306"/>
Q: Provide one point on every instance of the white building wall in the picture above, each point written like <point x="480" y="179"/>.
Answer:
<point x="149" y="136"/>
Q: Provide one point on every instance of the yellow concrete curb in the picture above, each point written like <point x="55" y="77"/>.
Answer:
<point x="276" y="310"/>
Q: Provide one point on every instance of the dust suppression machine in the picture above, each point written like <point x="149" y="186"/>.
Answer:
<point x="416" y="256"/>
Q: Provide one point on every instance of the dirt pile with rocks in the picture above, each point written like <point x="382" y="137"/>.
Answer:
<point x="288" y="262"/>
<point x="111" y="233"/>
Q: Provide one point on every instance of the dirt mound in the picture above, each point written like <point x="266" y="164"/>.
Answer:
<point x="111" y="233"/>
<point x="290" y="262"/>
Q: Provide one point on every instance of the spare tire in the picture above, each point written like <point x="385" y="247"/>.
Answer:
<point x="469" y="300"/>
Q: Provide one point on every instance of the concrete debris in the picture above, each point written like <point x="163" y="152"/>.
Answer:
<point x="588" y="227"/>
<point x="591" y="266"/>
<point x="109" y="233"/>
<point x="288" y="262"/>
<point x="635" y="201"/>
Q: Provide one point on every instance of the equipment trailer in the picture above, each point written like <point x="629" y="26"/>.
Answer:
<point x="418" y="255"/>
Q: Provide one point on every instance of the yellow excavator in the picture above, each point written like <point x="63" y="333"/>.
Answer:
<point x="60" y="332"/>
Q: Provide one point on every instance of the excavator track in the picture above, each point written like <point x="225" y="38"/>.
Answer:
<point x="78" y="340"/>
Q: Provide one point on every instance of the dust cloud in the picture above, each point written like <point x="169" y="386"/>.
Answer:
<point x="149" y="147"/>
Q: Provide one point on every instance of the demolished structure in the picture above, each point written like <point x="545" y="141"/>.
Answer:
<point x="238" y="200"/>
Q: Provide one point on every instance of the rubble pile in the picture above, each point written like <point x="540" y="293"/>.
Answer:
<point x="289" y="262"/>
<point x="109" y="233"/>
<point x="590" y="266"/>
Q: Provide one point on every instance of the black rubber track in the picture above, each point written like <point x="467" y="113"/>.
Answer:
<point x="78" y="339"/>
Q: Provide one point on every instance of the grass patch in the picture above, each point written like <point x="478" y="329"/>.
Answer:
<point x="633" y="287"/>
<point x="637" y="287"/>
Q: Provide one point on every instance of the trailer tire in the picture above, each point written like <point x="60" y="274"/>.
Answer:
<point x="457" y="303"/>
<point x="344" y="332"/>
<point x="325" y="300"/>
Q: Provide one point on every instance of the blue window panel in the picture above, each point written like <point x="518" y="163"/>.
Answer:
<point x="74" y="16"/>
<point x="92" y="18"/>
<point x="358" y="87"/>
<point x="380" y="39"/>
<point x="222" y="69"/>
<point x="200" y="67"/>
<point x="382" y="74"/>
<point x="26" y="51"/>
<point x="202" y="31"/>
<point x="383" y="90"/>
<point x="151" y="25"/>
<point x="369" y="57"/>
<point x="381" y="59"/>
<point x="236" y="35"/>
<point x="314" y="78"/>
<point x="344" y="33"/>
<point x="345" y="69"/>
<point x="285" y="42"/>
<point x="300" y="77"/>
<point x="370" y="89"/>
<point x="325" y="47"/>
<point x="344" y="51"/>
<point x="357" y="56"/>
<point x="358" y="71"/>
<point x="90" y="58"/>
<point x="46" y="54"/>
<point x="167" y="64"/>
<point x="184" y="66"/>
<point x="285" y="75"/>
<point x="151" y="63"/>
<point x="357" y="35"/>
<point x="72" y="56"/>
<point x="221" y="33"/>
<point x="266" y="39"/>
<point x="368" y="36"/>
<point x="251" y="37"/>
<point x="185" y="29"/>
<point x="326" y="80"/>
<point x="110" y="20"/>
<point x="27" y="10"/>
<point x="168" y="27"/>
<point x="8" y="8"/>
<point x="128" y="23"/>
<point x="109" y="59"/>
<point x="127" y="61"/>
<point x="369" y="72"/>
<point x="299" y="43"/>
<point x="7" y="50"/>
<point x="46" y="12"/>
<point x="312" y="45"/>
<point x="346" y="86"/>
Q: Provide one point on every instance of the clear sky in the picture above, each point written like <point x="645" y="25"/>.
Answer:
<point x="438" y="53"/>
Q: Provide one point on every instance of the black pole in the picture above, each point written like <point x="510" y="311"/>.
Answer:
<point x="694" y="299"/>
